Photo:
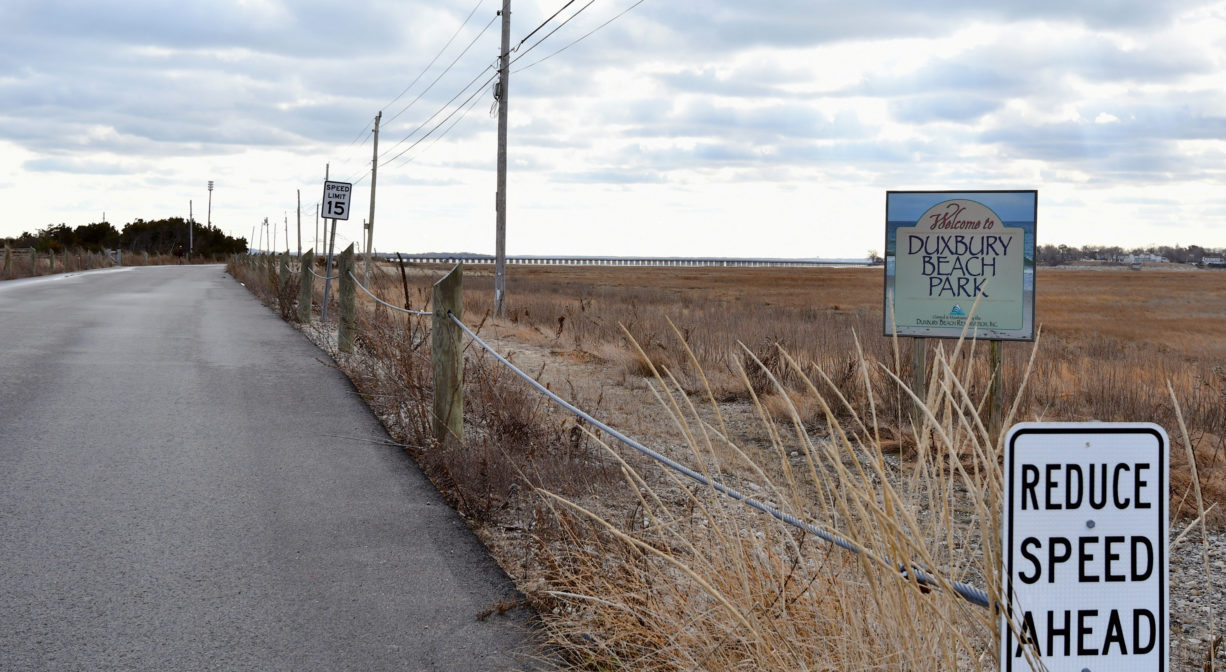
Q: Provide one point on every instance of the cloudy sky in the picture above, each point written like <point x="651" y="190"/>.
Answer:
<point x="721" y="127"/>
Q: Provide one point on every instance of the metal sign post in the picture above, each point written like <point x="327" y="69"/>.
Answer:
<point x="335" y="206"/>
<point x="1084" y="547"/>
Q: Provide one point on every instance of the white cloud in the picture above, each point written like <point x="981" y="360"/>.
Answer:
<point x="666" y="132"/>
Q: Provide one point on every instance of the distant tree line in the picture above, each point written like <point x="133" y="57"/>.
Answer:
<point x="162" y="236"/>
<point x="1057" y="255"/>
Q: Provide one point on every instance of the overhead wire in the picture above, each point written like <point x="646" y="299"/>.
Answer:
<point x="435" y="59"/>
<point x="362" y="132"/>
<point x="366" y="130"/>
<point x="390" y="155"/>
<point x="436" y="113"/>
<point x="444" y="120"/>
<point x="444" y="72"/>
<point x="543" y="24"/>
<point x="583" y="37"/>
<point x="550" y="33"/>
<point x="467" y="107"/>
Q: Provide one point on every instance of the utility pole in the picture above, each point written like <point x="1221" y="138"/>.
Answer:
<point x="210" y="215"/>
<point x="374" y="172"/>
<point x="191" y="224"/>
<point x="285" y="217"/>
<point x="317" y="247"/>
<point x="500" y="198"/>
<point x="299" y="223"/>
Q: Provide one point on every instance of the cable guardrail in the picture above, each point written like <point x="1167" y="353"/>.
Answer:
<point x="330" y="277"/>
<point x="970" y="593"/>
<point x="922" y="575"/>
<point x="385" y="303"/>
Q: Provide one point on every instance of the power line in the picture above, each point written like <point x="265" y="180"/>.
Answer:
<point x="445" y="70"/>
<point x="534" y="30"/>
<point x="436" y="57"/>
<point x="464" y="108"/>
<point x="550" y="33"/>
<point x="439" y="124"/>
<point x="360" y="134"/>
<point x="584" y="37"/>
<point x="367" y="128"/>
<point x="473" y="100"/>
<point x="436" y="113"/>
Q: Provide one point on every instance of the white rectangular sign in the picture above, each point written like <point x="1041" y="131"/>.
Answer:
<point x="336" y="200"/>
<point x="1084" y="547"/>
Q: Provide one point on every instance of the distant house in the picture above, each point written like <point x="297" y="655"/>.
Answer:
<point x="1144" y="259"/>
<point x="1214" y="261"/>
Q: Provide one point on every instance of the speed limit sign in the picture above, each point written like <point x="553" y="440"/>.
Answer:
<point x="336" y="199"/>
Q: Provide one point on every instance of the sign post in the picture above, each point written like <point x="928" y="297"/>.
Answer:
<point x="961" y="262"/>
<point x="1084" y="548"/>
<point x="336" y="206"/>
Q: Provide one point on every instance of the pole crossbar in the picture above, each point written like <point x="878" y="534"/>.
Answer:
<point x="968" y="592"/>
<point x="385" y="303"/>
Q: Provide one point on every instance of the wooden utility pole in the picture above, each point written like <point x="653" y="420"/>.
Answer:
<point x="500" y="198"/>
<point x="299" y="223"/>
<point x="374" y="172"/>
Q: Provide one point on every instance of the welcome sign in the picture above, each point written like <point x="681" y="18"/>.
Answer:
<point x="960" y="259"/>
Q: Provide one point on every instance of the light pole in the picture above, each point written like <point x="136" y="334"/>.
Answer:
<point x="210" y="215"/>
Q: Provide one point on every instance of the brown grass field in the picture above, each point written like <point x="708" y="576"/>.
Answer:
<point x="780" y="382"/>
<point x="1111" y="339"/>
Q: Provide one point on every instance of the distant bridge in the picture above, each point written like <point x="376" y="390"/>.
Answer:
<point x="535" y="260"/>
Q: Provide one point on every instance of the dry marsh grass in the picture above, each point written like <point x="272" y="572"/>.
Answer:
<point x="632" y="568"/>
<point x="1112" y="340"/>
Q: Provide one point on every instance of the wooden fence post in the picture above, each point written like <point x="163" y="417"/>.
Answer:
<point x="8" y="262"/>
<point x="919" y="381"/>
<point x="347" y="300"/>
<point x="33" y="262"/>
<point x="447" y="354"/>
<point x="283" y="272"/>
<point x="996" y="390"/>
<point x="306" y="286"/>
<point x="51" y="261"/>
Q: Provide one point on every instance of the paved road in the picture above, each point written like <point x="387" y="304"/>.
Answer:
<point x="185" y="486"/>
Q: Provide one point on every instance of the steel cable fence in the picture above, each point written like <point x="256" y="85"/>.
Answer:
<point x="406" y="311"/>
<point x="922" y="575"/>
<point x="330" y="277"/>
<point x="968" y="592"/>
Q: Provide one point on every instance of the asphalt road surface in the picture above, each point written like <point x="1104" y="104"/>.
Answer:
<point x="185" y="485"/>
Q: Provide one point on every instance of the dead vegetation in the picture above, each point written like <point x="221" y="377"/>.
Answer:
<point x="777" y="382"/>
